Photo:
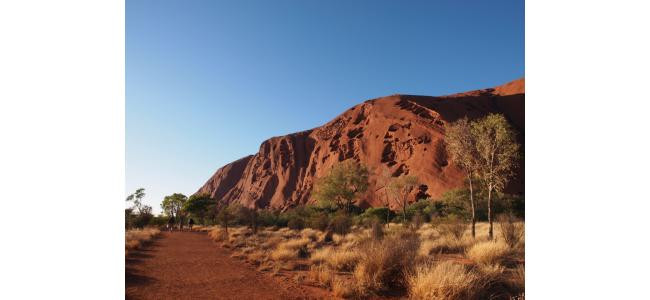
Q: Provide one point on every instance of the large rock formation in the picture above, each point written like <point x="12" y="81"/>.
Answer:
<point x="398" y="134"/>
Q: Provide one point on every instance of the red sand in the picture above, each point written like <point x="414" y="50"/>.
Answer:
<point x="188" y="265"/>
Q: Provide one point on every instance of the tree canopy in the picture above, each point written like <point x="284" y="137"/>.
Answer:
<point x="173" y="204"/>
<point x="345" y="182"/>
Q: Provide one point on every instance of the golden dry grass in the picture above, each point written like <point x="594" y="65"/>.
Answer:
<point x="445" y="280"/>
<point x="284" y="254"/>
<point x="488" y="252"/>
<point x="135" y="238"/>
<point x="445" y="244"/>
<point x="321" y="274"/>
<point x="356" y="265"/>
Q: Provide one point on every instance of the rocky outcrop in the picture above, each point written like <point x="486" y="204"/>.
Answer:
<point x="398" y="134"/>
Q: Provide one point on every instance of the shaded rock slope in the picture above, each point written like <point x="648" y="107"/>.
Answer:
<point x="398" y="134"/>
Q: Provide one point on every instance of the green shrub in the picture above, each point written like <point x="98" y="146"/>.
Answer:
<point x="320" y="222"/>
<point x="341" y="223"/>
<point x="296" y="223"/>
<point x="381" y="214"/>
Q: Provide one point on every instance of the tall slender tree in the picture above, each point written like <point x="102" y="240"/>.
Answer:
<point x="497" y="154"/>
<point x="401" y="187"/>
<point x="461" y="146"/>
<point x="137" y="199"/>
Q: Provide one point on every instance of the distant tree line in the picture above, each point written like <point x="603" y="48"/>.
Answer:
<point x="485" y="150"/>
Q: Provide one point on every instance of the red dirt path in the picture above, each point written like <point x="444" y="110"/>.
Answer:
<point x="188" y="265"/>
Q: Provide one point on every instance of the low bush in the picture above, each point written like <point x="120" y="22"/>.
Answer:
<point x="320" y="222"/>
<point x="296" y="223"/>
<point x="341" y="224"/>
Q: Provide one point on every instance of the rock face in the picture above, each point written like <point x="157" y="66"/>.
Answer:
<point x="394" y="135"/>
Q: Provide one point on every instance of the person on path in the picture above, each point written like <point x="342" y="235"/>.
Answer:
<point x="191" y="223"/>
<point x="170" y="223"/>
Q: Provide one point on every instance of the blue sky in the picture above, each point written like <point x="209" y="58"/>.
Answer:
<point x="208" y="81"/>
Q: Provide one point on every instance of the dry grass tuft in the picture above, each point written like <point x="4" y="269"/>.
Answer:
<point x="445" y="280"/>
<point x="511" y="231"/>
<point x="383" y="263"/>
<point x="321" y="274"/>
<point x="342" y="288"/>
<point x="135" y="238"/>
<point x="445" y="244"/>
<point x="284" y="254"/>
<point x="218" y="234"/>
<point x="489" y="252"/>
<point x="310" y="234"/>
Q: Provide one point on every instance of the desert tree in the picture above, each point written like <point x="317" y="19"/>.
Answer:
<point x="198" y="205"/>
<point x="461" y="147"/>
<point x="225" y="216"/>
<point x="173" y="204"/>
<point x="383" y="180"/>
<point x="342" y="185"/>
<point x="137" y="199"/>
<point x="497" y="155"/>
<point x="400" y="188"/>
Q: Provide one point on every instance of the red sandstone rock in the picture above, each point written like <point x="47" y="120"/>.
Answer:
<point x="398" y="134"/>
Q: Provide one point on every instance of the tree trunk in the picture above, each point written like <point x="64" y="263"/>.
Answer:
<point x="471" y="200"/>
<point x="387" y="207"/>
<point x="490" y="233"/>
<point x="404" y="209"/>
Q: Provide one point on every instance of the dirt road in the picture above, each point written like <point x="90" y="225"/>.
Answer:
<point x="188" y="265"/>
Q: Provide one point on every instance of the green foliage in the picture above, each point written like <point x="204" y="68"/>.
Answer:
<point x="296" y="222"/>
<point x="400" y="188"/>
<point x="379" y="214"/>
<point x="270" y="218"/>
<point x="198" y="205"/>
<point x="497" y="151"/>
<point x="226" y="217"/>
<point x="137" y="199"/>
<point x="319" y="221"/>
<point x="139" y="215"/>
<point x="341" y="223"/>
<point x="173" y="204"/>
<point x="345" y="182"/>
<point x="158" y="221"/>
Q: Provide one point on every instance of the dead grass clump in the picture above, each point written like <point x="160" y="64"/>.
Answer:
<point x="295" y="243"/>
<point x="343" y="260"/>
<point x="452" y="227"/>
<point x="321" y="274"/>
<point x="445" y="280"/>
<point x="290" y="249"/>
<point x="271" y="242"/>
<point x="284" y="254"/>
<point x="320" y="256"/>
<point x="518" y="279"/>
<point x="512" y="231"/>
<point x="342" y="288"/>
<point x="135" y="238"/>
<point x="445" y="244"/>
<point x="382" y="264"/>
<point x="218" y="235"/>
<point x="377" y="231"/>
<point x="310" y="234"/>
<point x="256" y="257"/>
<point x="488" y="252"/>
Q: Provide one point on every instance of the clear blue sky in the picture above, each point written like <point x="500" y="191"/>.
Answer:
<point x="208" y="81"/>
